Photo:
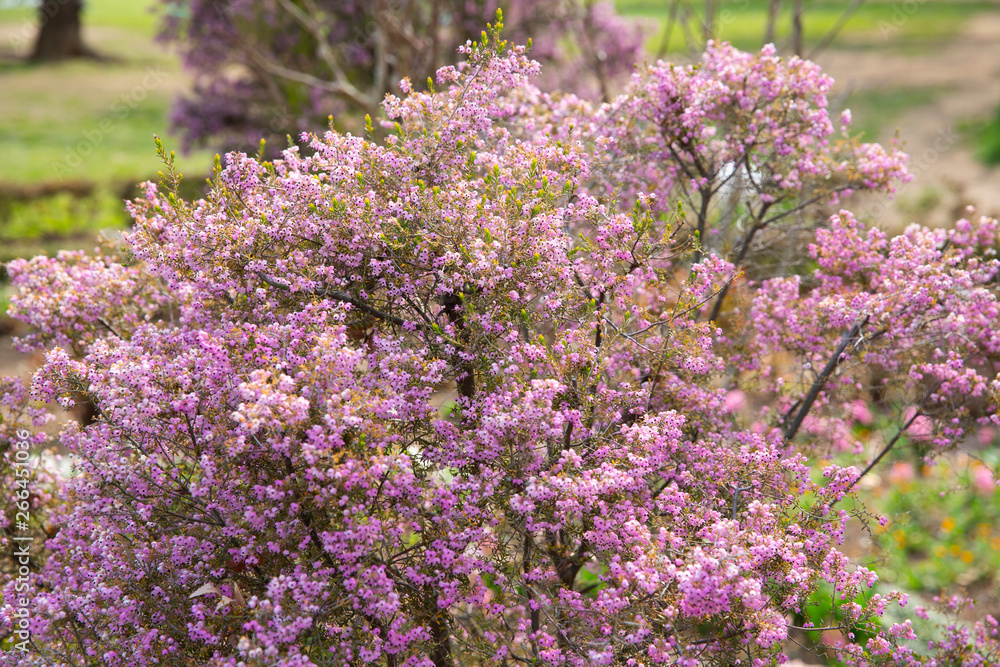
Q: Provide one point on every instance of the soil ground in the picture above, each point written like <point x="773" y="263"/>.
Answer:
<point x="964" y="72"/>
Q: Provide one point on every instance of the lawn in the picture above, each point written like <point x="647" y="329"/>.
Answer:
<point x="94" y="121"/>
<point x="90" y="120"/>
<point x="877" y="24"/>
<point x="135" y="15"/>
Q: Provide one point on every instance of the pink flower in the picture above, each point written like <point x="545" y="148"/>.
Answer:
<point x="861" y="412"/>
<point x="920" y="428"/>
<point x="983" y="480"/>
<point x="901" y="472"/>
<point x="735" y="400"/>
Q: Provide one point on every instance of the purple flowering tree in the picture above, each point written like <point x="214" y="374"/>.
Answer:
<point x="442" y="399"/>
<point x="267" y="68"/>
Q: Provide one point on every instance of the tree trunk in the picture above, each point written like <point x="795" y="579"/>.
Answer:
<point x="59" y="34"/>
<point x="773" y="7"/>
<point x="708" y="27"/>
<point x="797" y="28"/>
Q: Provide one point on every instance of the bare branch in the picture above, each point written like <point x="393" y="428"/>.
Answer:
<point x="344" y="298"/>
<point x="835" y="30"/>
<point x="885" y="450"/>
<point x="342" y="87"/>
<point x="820" y="382"/>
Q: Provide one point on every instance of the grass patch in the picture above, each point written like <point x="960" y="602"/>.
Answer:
<point x="102" y="133"/>
<point x="984" y="134"/>
<point x="877" y="111"/>
<point x="61" y="216"/>
<point x="85" y="120"/>
<point x="942" y="529"/>
<point x="136" y="15"/>
<point x="45" y="225"/>
<point x="874" y="25"/>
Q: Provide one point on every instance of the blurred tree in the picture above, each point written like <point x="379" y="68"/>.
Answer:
<point x="59" y="33"/>
<point x="711" y="16"/>
<point x="271" y="68"/>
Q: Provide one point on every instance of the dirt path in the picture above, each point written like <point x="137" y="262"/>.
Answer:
<point x="965" y="72"/>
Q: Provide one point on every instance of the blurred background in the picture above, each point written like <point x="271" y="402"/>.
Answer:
<point x="85" y="86"/>
<point x="79" y="106"/>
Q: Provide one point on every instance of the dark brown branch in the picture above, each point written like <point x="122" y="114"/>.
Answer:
<point x="343" y="298"/>
<point x="467" y="385"/>
<point x="306" y="517"/>
<point x="441" y="638"/>
<point x="104" y="323"/>
<point x="568" y="435"/>
<point x="885" y="450"/>
<point x="820" y="382"/>
<point x="744" y="246"/>
<point x="526" y="567"/>
<point x="702" y="219"/>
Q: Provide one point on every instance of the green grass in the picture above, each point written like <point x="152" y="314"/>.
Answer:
<point x="984" y="134"/>
<point x="875" y="25"/>
<point x="942" y="528"/>
<point x="87" y="120"/>
<point x="876" y="112"/>
<point x="103" y="134"/>
<point x="84" y="121"/>
<point x="63" y="221"/>
<point x="60" y="216"/>
<point x="126" y="14"/>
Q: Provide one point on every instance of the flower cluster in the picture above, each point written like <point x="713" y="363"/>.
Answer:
<point x="744" y="140"/>
<point x="909" y="317"/>
<point x="439" y="399"/>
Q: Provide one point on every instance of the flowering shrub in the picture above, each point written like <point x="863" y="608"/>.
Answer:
<point x="441" y="400"/>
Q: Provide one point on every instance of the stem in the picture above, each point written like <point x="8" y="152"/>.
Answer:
<point x="526" y="568"/>
<point x="343" y="298"/>
<point x="820" y="382"/>
<point x="441" y="655"/>
<point x="467" y="385"/>
<point x="885" y="450"/>
<point x="104" y="323"/>
<point x="744" y="246"/>
<point x="307" y="517"/>
<point x="702" y="219"/>
<point x="736" y="500"/>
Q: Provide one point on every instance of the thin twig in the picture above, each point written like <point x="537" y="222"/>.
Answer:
<point x="885" y="450"/>
<point x="344" y="298"/>
<point x="820" y="382"/>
